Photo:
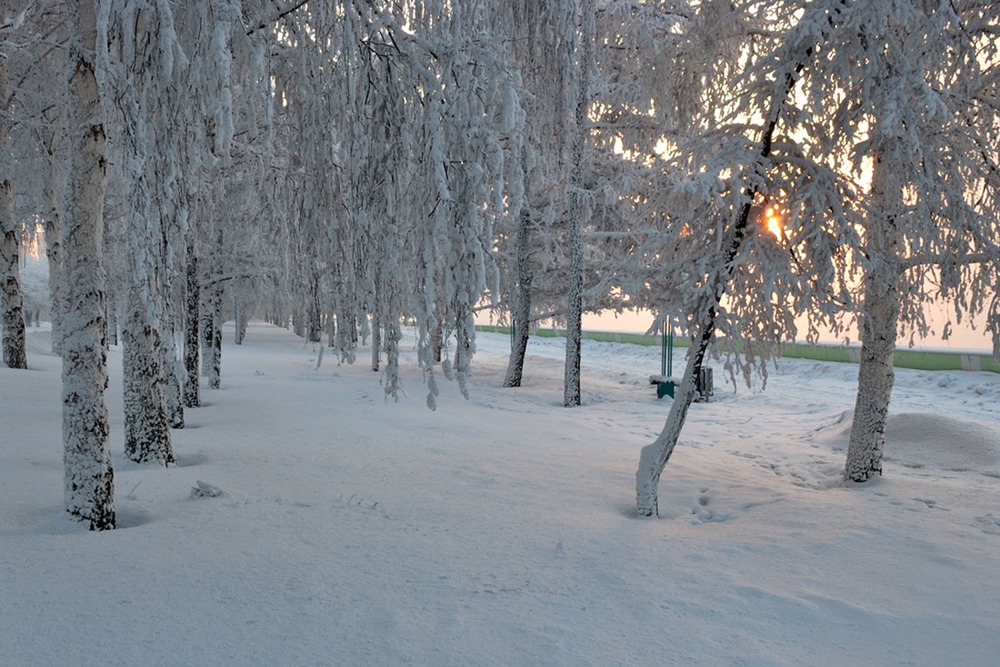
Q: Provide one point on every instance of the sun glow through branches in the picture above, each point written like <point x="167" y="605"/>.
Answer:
<point x="772" y="221"/>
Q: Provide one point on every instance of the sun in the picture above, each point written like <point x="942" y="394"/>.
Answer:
<point x="772" y="221"/>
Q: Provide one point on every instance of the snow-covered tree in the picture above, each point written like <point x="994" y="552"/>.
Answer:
<point x="911" y="88"/>
<point x="11" y="300"/>
<point x="140" y="77"/>
<point x="540" y="39"/>
<point x="14" y="355"/>
<point x="417" y="151"/>
<point x="876" y="137"/>
<point x="33" y="35"/>
<point x="738" y="278"/>
<point x="89" y="476"/>
<point x="575" y="209"/>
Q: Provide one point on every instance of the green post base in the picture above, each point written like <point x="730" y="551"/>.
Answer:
<point x="665" y="388"/>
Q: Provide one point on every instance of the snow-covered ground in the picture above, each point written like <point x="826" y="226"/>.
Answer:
<point x="500" y="530"/>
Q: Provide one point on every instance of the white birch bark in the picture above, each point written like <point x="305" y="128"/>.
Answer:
<point x="11" y="299"/>
<point x="173" y="371"/>
<point x="879" y="321"/>
<point x="14" y="355"/>
<point x="56" y="166"/>
<point x="147" y="429"/>
<point x="89" y="477"/>
<point x="653" y="457"/>
<point x="135" y="66"/>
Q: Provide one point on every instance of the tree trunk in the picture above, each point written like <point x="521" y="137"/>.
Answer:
<point x="654" y="457"/>
<point x="364" y="328"/>
<point x="875" y="381"/>
<point x="347" y="337"/>
<point x="521" y="313"/>
<point x="147" y="430"/>
<point x="237" y="315"/>
<point x="574" y="308"/>
<point x="53" y="252"/>
<point x="192" y="390"/>
<point x="89" y="476"/>
<point x="331" y="326"/>
<point x="112" y="319"/>
<point x="243" y="321"/>
<point x="240" y="318"/>
<point x="206" y="315"/>
<point x="14" y="355"/>
<point x="172" y="371"/>
<point x="215" y="349"/>
<point x="376" y="339"/>
<point x="437" y="340"/>
<point x="315" y="315"/>
<point x="879" y="320"/>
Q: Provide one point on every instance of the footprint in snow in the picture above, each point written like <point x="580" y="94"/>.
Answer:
<point x="989" y="524"/>
<point x="931" y="504"/>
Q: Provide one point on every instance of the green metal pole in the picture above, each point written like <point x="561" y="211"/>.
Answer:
<point x="663" y="350"/>
<point x="670" y="351"/>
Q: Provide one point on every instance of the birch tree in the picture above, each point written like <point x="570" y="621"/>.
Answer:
<point x="33" y="37"/>
<point x="89" y="477"/>
<point x="575" y="210"/>
<point x="11" y="300"/>
<point x="867" y="93"/>
<point x="14" y="355"/>
<point x="537" y="122"/>
<point x="739" y="279"/>
<point x="918" y="117"/>
<point x="139" y="73"/>
<point x="448" y="188"/>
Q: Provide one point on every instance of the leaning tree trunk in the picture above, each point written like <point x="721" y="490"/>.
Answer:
<point x="654" y="457"/>
<point x="14" y="355"/>
<point x="89" y="477"/>
<point x="521" y="313"/>
<point x="879" y="320"/>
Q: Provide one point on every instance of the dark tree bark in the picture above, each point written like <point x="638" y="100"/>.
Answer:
<point x="192" y="389"/>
